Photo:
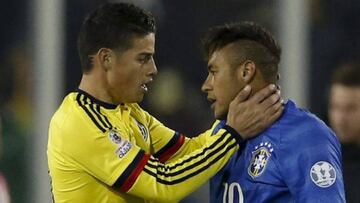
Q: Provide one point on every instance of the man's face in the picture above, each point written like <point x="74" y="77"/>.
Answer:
<point x="222" y="83"/>
<point x="344" y="112"/>
<point x="132" y="70"/>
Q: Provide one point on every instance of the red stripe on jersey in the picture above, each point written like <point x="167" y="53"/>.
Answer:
<point x="134" y="174"/>
<point x="166" y="156"/>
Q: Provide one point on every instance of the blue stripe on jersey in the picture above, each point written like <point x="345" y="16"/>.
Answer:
<point x="220" y="125"/>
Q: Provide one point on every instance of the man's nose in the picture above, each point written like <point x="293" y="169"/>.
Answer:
<point x="153" y="70"/>
<point x="206" y="86"/>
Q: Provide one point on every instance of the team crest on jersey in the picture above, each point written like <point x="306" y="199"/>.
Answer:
<point x="114" y="136"/>
<point x="124" y="146"/>
<point x="323" y="174"/>
<point x="143" y="130"/>
<point x="259" y="159"/>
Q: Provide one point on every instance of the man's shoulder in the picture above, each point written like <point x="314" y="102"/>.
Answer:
<point x="70" y="115"/>
<point x="300" y="120"/>
<point x="74" y="124"/>
<point x="300" y="126"/>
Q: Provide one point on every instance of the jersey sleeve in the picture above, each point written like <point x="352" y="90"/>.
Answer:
<point x="175" y="179"/>
<point x="103" y="155"/>
<point x="119" y="163"/>
<point x="194" y="143"/>
<point x="165" y="142"/>
<point x="310" y="163"/>
<point x="168" y="144"/>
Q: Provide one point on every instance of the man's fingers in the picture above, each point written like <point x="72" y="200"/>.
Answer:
<point x="243" y="94"/>
<point x="277" y="111"/>
<point x="271" y="100"/>
<point x="263" y="93"/>
<point x="274" y="108"/>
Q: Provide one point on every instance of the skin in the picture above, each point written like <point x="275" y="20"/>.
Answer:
<point x="344" y="112"/>
<point x="120" y="77"/>
<point x="224" y="82"/>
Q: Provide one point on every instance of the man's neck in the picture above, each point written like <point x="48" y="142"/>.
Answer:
<point x="95" y="87"/>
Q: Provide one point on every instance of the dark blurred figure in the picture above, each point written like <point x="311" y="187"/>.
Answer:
<point x="344" y="117"/>
<point x="16" y="113"/>
<point x="4" y="193"/>
<point x="334" y="25"/>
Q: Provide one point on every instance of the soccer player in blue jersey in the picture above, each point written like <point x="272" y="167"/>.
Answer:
<point x="297" y="159"/>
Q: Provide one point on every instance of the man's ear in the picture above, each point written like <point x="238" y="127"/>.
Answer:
<point x="105" y="56"/>
<point x="247" y="71"/>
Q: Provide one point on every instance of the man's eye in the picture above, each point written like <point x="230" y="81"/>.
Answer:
<point x="212" y="72"/>
<point x="144" y="59"/>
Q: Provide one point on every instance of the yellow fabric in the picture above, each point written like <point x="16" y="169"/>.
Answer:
<point x="91" y="148"/>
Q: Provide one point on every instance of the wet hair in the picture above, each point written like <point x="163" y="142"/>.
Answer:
<point x="251" y="42"/>
<point x="114" y="26"/>
<point x="347" y="75"/>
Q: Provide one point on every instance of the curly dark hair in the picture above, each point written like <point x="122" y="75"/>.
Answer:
<point x="112" y="25"/>
<point x="252" y="42"/>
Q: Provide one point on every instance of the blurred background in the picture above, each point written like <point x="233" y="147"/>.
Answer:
<point x="39" y="65"/>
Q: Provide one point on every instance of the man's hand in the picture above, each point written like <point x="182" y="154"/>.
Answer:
<point x="251" y="116"/>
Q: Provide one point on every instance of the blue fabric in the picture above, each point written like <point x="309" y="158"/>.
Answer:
<point x="297" y="159"/>
<point x="221" y="124"/>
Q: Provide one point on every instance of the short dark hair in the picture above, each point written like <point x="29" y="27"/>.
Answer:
<point x="347" y="75"/>
<point x="252" y="42"/>
<point x="112" y="25"/>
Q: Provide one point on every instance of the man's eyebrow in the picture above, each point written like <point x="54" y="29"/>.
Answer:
<point x="147" y="53"/>
<point x="211" y="67"/>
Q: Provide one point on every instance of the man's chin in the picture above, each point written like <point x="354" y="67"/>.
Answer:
<point x="137" y="99"/>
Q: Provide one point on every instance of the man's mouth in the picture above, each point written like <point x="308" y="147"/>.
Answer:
<point x="144" y="87"/>
<point x="212" y="101"/>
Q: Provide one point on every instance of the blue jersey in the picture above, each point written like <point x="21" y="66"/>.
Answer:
<point x="297" y="159"/>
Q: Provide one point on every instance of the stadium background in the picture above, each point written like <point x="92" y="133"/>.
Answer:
<point x="39" y="65"/>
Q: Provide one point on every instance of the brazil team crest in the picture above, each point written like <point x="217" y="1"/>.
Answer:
<point x="259" y="159"/>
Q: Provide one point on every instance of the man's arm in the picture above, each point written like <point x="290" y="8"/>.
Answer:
<point x="148" y="178"/>
<point x="311" y="167"/>
<point x="195" y="162"/>
<point x="248" y="116"/>
<point x="127" y="168"/>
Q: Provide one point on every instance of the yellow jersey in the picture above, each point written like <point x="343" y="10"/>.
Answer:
<point x="104" y="153"/>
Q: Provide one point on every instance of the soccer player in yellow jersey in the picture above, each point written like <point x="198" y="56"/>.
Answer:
<point x="104" y="148"/>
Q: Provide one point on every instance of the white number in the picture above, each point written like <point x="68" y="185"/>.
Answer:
<point x="229" y="193"/>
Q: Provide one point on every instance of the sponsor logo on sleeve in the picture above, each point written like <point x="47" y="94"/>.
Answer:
<point x="323" y="174"/>
<point x="122" y="150"/>
<point x="124" y="146"/>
